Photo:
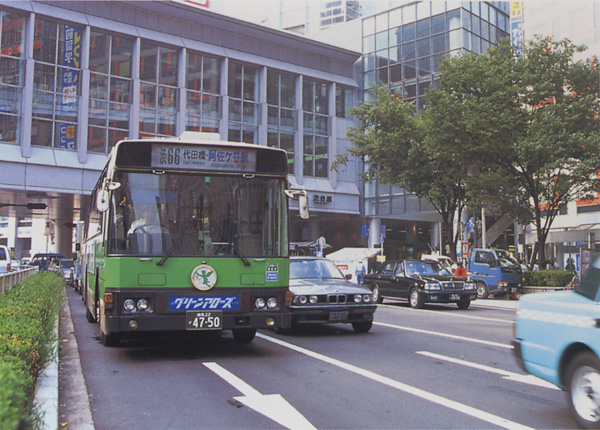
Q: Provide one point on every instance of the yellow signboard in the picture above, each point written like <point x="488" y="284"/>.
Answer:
<point x="516" y="9"/>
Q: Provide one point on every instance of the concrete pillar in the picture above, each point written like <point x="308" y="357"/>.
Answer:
<point x="64" y="234"/>
<point x="313" y="230"/>
<point x="374" y="232"/>
<point x="435" y="235"/>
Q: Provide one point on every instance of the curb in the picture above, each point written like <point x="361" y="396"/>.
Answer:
<point x="75" y="409"/>
<point x="46" y="395"/>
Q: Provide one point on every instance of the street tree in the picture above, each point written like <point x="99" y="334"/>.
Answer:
<point x="533" y="127"/>
<point x="400" y="148"/>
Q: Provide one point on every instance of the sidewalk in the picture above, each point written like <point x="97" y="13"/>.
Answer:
<point x="62" y="398"/>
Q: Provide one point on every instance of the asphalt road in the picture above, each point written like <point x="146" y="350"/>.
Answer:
<point x="440" y="367"/>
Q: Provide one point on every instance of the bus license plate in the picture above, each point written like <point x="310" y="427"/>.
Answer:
<point x="454" y="297"/>
<point x="207" y="320"/>
<point x="338" y="316"/>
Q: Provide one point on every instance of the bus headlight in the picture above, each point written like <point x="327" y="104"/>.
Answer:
<point x="272" y="303"/>
<point x="260" y="303"/>
<point x="142" y="305"/>
<point x="129" y="305"/>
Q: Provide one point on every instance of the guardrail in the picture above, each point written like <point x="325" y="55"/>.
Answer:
<point x="10" y="279"/>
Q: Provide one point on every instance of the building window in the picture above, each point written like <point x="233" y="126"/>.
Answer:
<point x="315" y="102"/>
<point x="57" y="62"/>
<point x="110" y="90"/>
<point x="243" y="90"/>
<point x="158" y="90"/>
<point x="344" y="100"/>
<point x="281" y="101"/>
<point x="203" y="102"/>
<point x="12" y="27"/>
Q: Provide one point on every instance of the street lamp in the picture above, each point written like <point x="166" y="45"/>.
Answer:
<point x="30" y="206"/>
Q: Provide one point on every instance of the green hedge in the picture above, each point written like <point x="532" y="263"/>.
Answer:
<point x="547" y="278"/>
<point x="28" y="313"/>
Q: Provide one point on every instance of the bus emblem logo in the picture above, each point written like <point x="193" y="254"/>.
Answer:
<point x="204" y="277"/>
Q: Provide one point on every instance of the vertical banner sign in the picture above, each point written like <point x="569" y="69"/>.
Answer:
<point x="71" y="61"/>
<point x="516" y="26"/>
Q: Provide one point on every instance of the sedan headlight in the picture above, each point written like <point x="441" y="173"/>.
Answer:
<point x="432" y="286"/>
<point x="469" y="285"/>
<point x="367" y="298"/>
<point x="302" y="300"/>
<point x="357" y="298"/>
<point x="313" y="300"/>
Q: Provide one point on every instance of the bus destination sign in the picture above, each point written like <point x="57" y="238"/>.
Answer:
<point x="187" y="157"/>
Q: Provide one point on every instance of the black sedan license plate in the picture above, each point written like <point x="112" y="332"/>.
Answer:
<point x="454" y="297"/>
<point x="206" y="320"/>
<point x="338" y="316"/>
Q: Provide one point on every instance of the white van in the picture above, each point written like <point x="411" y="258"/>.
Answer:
<point x="5" y="260"/>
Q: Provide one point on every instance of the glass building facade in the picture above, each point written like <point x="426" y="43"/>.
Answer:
<point x="76" y="77"/>
<point x="129" y="86"/>
<point x="402" y="48"/>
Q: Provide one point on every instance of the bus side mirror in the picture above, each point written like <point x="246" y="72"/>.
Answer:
<point x="302" y="197"/>
<point x="303" y="205"/>
<point x="102" y="200"/>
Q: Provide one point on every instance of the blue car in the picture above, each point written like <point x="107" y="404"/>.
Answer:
<point x="557" y="338"/>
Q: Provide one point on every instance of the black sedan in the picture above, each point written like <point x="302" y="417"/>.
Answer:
<point x="321" y="294"/>
<point x="420" y="282"/>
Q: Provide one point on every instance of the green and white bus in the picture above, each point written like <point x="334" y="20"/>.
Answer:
<point x="189" y="233"/>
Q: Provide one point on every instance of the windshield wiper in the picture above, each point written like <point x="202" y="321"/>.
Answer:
<point x="170" y="250"/>
<point x="175" y="245"/>
<point x="236" y="249"/>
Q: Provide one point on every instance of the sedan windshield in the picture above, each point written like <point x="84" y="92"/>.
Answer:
<point x="425" y="268"/>
<point x="314" y="269"/>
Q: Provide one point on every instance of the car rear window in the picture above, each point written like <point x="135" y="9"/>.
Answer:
<point x="2" y="254"/>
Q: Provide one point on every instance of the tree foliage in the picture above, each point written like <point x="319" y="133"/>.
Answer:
<point x="399" y="149"/>
<point x="529" y="123"/>
<point x="533" y="122"/>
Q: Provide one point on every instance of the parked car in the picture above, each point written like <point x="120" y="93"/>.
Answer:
<point x="5" y="259"/>
<point x="25" y="261"/>
<point x="420" y="282"/>
<point x="322" y="294"/>
<point x="67" y="267"/>
<point x="45" y="260"/>
<point x="557" y="339"/>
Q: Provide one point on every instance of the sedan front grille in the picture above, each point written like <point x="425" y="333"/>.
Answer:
<point x="453" y="285"/>
<point x="336" y="298"/>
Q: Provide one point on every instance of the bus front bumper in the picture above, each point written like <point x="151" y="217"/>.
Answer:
<point x="170" y="323"/>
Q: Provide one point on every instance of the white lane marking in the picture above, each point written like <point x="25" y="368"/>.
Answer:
<point x="465" y="409"/>
<point x="273" y="406"/>
<point x="451" y="336"/>
<point x="451" y="314"/>
<point x="511" y="376"/>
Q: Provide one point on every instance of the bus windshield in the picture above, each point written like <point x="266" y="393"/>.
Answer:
<point x="179" y="214"/>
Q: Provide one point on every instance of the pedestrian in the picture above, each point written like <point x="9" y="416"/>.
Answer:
<point x="460" y="271"/>
<point x="360" y="273"/>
